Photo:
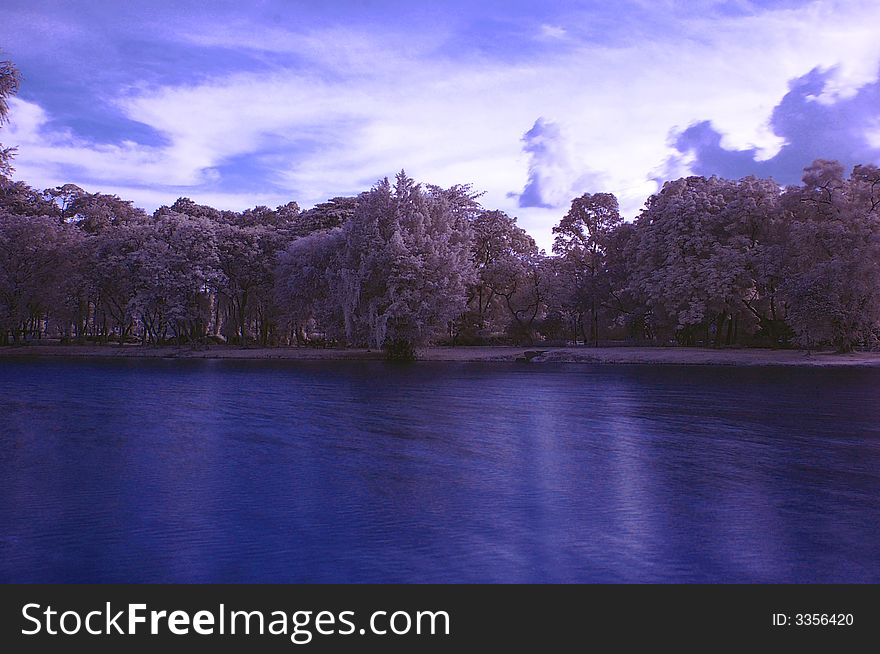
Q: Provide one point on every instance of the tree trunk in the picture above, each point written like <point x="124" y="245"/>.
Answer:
<point x="719" y="327"/>
<point x="594" y="324"/>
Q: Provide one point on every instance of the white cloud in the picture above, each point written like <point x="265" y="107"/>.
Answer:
<point x="872" y="133"/>
<point x="48" y="158"/>
<point x="343" y="50"/>
<point x="554" y="175"/>
<point x="553" y="32"/>
<point x="45" y="152"/>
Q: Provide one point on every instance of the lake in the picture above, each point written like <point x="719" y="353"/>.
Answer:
<point x="128" y="470"/>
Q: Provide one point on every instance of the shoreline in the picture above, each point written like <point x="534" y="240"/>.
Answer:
<point x="486" y="354"/>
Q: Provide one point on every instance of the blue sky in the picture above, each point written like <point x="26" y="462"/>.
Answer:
<point x="238" y="104"/>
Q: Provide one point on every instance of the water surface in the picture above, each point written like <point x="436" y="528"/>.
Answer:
<point x="236" y="471"/>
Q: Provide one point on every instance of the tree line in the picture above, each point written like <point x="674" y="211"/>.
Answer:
<point x="709" y="262"/>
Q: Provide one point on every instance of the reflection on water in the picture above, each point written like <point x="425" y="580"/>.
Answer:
<point x="223" y="471"/>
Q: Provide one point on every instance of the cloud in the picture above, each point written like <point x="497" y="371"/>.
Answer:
<point x="150" y="176"/>
<point x="306" y="107"/>
<point x="553" y="32"/>
<point x="46" y="151"/>
<point x="337" y="50"/>
<point x="554" y="175"/>
<point x="812" y="121"/>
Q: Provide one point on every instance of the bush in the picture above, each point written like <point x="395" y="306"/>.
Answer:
<point x="399" y="349"/>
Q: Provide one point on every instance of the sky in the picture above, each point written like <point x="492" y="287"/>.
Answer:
<point x="236" y="104"/>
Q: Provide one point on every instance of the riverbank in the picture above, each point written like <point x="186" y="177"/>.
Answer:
<point x="534" y="355"/>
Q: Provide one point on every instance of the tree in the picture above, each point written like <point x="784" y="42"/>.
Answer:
<point x="520" y="280"/>
<point x="326" y="215"/>
<point x="32" y="250"/>
<point x="304" y="285"/>
<point x="509" y="286"/>
<point x="500" y="249"/>
<point x="114" y="278"/>
<point x="94" y="212"/>
<point x="10" y="79"/>
<point x="406" y="264"/>
<point x="582" y="237"/>
<point x="175" y="269"/>
<point x="708" y="257"/>
<point x="865" y="184"/>
<point x="282" y="217"/>
<point x="623" y="303"/>
<point x="833" y="276"/>
<point x="67" y="299"/>
<point x="63" y="200"/>
<point x="187" y="207"/>
<point x="756" y="246"/>
<point x="20" y="199"/>
<point x="247" y="259"/>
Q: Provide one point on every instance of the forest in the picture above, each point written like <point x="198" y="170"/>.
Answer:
<point x="708" y="262"/>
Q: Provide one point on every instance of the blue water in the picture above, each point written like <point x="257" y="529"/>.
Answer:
<point x="223" y="471"/>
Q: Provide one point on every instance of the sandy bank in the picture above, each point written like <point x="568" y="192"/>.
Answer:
<point x="534" y="355"/>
